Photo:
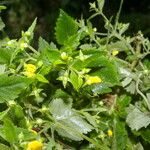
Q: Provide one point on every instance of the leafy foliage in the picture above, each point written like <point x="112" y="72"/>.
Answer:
<point x="91" y="86"/>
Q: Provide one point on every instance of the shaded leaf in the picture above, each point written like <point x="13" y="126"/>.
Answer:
<point x="9" y="131"/>
<point x="4" y="147"/>
<point x="69" y="118"/>
<point x="2" y="25"/>
<point x="11" y="87"/>
<point x="76" y="80"/>
<point x="137" y="119"/>
<point x="65" y="27"/>
<point x="120" y="136"/>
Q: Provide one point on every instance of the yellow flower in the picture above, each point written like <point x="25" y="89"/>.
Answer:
<point x="115" y="52"/>
<point x="110" y="133"/>
<point x="93" y="79"/>
<point x="35" y="145"/>
<point x="29" y="70"/>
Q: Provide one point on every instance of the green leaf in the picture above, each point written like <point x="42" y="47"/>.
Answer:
<point x="120" y="136"/>
<point x="106" y="69"/>
<point x="131" y="88"/>
<point x="122" y="103"/>
<point x="137" y="119"/>
<point x="2" y="69"/>
<point x="119" y="45"/>
<point x="5" y="55"/>
<point x="2" y="7"/>
<point x="65" y="27"/>
<point x="90" y="118"/>
<point x="49" y="53"/>
<point x="67" y="117"/>
<point x="32" y="27"/>
<point x="76" y="80"/>
<point x="43" y="44"/>
<point x="101" y="88"/>
<point x="2" y="114"/>
<point x="10" y="131"/>
<point x="101" y="4"/>
<point x="41" y="78"/>
<point x="27" y="135"/>
<point x="4" y="147"/>
<point x="11" y="87"/>
<point x="145" y="135"/>
<point x="2" y="25"/>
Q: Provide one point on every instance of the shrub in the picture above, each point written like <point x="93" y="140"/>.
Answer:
<point x="90" y="91"/>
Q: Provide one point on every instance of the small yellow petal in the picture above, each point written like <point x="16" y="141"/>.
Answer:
<point x="115" y="52"/>
<point x="110" y="133"/>
<point x="35" y="145"/>
<point x="93" y="79"/>
<point x="30" y="68"/>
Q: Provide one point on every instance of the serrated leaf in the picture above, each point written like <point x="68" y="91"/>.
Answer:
<point x="49" y="52"/>
<point x="145" y="135"/>
<point x="90" y="119"/>
<point x="5" y="55"/>
<point x="69" y="118"/>
<point x="122" y="102"/>
<point x="119" y="45"/>
<point x="126" y="81"/>
<point x="9" y="131"/>
<point x="76" y="80"/>
<point x="41" y="78"/>
<point x="11" y="87"/>
<point x="65" y="27"/>
<point x="106" y="69"/>
<point x="3" y="113"/>
<point x="32" y="27"/>
<point x="131" y="88"/>
<point x="27" y="135"/>
<point x="137" y="119"/>
<point x="101" y="4"/>
<point x="120" y="136"/>
<point x="43" y="44"/>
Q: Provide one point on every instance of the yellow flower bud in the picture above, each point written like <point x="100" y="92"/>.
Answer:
<point x="115" y="52"/>
<point x="64" y="56"/>
<point x="110" y="133"/>
<point x="35" y="145"/>
<point x="93" y="79"/>
<point x="23" y="45"/>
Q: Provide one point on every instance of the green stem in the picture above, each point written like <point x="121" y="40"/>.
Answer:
<point x="139" y="92"/>
<point x="33" y="50"/>
<point x="118" y="14"/>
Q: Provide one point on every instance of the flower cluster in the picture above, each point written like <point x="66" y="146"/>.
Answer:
<point x="30" y="70"/>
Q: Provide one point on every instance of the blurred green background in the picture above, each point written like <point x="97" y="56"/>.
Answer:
<point x="20" y="14"/>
